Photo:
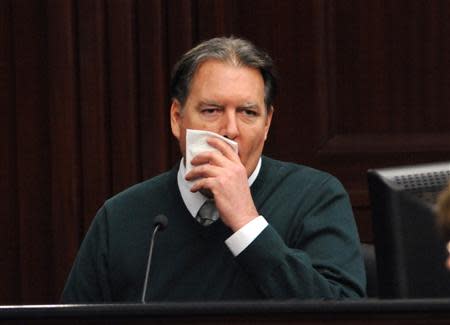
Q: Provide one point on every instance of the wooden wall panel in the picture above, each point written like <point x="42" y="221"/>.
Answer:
<point x="9" y="225"/>
<point x="181" y="25"/>
<point x="85" y="108"/>
<point x="153" y="74"/>
<point x="33" y="150"/>
<point x="95" y="126"/>
<point x="393" y="53"/>
<point x="64" y="123"/>
<point x="122" y="97"/>
<point x="388" y="107"/>
<point x="215" y="18"/>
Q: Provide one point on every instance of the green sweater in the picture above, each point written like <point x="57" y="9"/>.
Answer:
<point x="309" y="250"/>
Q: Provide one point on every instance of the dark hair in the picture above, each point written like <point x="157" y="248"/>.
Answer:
<point x="236" y="51"/>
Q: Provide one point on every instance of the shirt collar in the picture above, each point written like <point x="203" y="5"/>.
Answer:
<point x="194" y="201"/>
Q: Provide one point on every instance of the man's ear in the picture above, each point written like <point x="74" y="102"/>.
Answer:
<point x="175" y="118"/>
<point x="268" y="121"/>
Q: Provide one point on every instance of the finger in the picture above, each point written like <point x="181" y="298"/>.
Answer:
<point x="224" y="148"/>
<point x="209" y="157"/>
<point x="203" y="184"/>
<point x="203" y="171"/>
<point x="204" y="157"/>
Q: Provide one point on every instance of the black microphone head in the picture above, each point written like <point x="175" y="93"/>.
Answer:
<point x="161" y="221"/>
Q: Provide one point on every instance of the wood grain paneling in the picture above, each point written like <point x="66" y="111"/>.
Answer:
<point x="33" y="149"/>
<point x="94" y="107"/>
<point x="395" y="74"/>
<point x="123" y="89"/>
<point x="64" y="126"/>
<point x="9" y="224"/>
<point x="214" y="18"/>
<point x="390" y="77"/>
<point x="153" y="74"/>
<point x="181" y="25"/>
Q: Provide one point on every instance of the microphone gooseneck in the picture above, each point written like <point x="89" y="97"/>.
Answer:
<point x="160" y="223"/>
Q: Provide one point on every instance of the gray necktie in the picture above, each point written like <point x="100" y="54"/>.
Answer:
<point x="208" y="213"/>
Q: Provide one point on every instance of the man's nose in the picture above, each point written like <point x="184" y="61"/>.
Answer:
<point x="230" y="128"/>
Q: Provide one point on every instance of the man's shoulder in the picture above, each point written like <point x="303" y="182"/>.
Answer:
<point x="157" y="186"/>
<point x="281" y="169"/>
<point x="297" y="177"/>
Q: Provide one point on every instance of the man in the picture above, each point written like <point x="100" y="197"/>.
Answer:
<point x="284" y="231"/>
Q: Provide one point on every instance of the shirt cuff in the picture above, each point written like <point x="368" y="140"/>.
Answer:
<point x="246" y="235"/>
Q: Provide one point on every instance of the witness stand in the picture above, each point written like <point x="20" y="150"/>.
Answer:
<point x="366" y="311"/>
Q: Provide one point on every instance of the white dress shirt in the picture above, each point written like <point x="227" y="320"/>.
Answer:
<point x="194" y="201"/>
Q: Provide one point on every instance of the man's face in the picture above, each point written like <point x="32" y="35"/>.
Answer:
<point x="227" y="100"/>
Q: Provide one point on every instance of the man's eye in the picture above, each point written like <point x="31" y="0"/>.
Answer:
<point x="209" y="110"/>
<point x="250" y="112"/>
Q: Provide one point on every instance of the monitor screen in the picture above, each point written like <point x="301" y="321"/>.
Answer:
<point x="409" y="250"/>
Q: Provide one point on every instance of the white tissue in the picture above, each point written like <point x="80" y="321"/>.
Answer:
<point x="196" y="143"/>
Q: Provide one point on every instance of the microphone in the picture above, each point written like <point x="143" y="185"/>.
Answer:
<point x="159" y="223"/>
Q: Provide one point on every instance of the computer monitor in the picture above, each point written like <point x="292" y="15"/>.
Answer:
<point x="409" y="250"/>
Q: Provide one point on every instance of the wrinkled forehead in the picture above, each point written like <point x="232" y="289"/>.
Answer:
<point x="225" y="75"/>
